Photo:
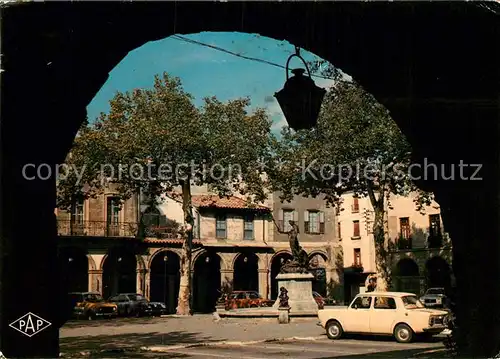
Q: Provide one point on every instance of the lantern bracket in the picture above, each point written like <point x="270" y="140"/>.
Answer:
<point x="297" y="54"/>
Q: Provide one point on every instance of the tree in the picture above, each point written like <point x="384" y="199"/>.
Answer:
<point x="156" y="141"/>
<point x="356" y="146"/>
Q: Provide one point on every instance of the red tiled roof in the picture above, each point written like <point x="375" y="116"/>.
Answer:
<point x="231" y="202"/>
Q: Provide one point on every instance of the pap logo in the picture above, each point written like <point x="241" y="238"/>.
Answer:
<point x="30" y="324"/>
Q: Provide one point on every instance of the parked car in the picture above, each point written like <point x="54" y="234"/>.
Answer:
<point x="246" y="299"/>
<point x="90" y="305"/>
<point x="434" y="297"/>
<point x="398" y="314"/>
<point x="319" y="300"/>
<point x="131" y="304"/>
<point x="158" y="309"/>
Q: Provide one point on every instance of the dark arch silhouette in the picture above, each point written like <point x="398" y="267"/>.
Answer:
<point x="317" y="263"/>
<point x="246" y="272"/>
<point x="206" y="282"/>
<point x="406" y="276"/>
<point x="74" y="269"/>
<point x="276" y="264"/>
<point x="119" y="272"/>
<point x="165" y="279"/>
<point x="438" y="273"/>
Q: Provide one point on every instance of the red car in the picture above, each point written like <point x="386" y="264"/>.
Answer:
<point x="319" y="300"/>
<point x="246" y="299"/>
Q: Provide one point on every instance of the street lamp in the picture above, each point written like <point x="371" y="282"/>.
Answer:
<point x="300" y="99"/>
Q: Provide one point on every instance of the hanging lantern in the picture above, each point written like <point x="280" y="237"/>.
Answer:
<point x="300" y="99"/>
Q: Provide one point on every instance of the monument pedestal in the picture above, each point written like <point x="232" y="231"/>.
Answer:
<point x="300" y="297"/>
<point x="284" y="315"/>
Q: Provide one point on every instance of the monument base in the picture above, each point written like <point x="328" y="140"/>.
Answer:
<point x="300" y="297"/>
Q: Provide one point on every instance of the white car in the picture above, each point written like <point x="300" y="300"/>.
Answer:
<point x="383" y="313"/>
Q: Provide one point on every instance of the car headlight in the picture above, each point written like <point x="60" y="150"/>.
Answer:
<point x="114" y="309"/>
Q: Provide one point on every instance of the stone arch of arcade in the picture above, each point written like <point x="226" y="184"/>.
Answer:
<point x="75" y="264"/>
<point x="119" y="271"/>
<point x="406" y="276"/>
<point x="246" y="271"/>
<point x="438" y="273"/>
<point x="418" y="74"/>
<point x="277" y="260"/>
<point x="165" y="279"/>
<point x="318" y="262"/>
<point x="206" y="281"/>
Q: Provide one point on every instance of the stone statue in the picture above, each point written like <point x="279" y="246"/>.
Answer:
<point x="283" y="298"/>
<point x="300" y="261"/>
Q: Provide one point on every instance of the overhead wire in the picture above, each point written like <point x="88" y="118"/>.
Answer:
<point x="185" y="39"/>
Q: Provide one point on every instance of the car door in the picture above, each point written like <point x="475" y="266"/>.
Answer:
<point x="122" y="302"/>
<point x="383" y="315"/>
<point x="357" y="319"/>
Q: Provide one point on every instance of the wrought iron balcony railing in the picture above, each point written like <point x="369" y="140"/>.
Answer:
<point x="106" y="229"/>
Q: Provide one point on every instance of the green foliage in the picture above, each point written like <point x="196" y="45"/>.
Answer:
<point x="159" y="139"/>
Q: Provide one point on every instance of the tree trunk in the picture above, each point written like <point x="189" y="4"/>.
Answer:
<point x="184" y="302"/>
<point x="381" y="255"/>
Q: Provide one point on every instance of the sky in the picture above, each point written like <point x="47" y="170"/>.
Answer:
<point x="207" y="72"/>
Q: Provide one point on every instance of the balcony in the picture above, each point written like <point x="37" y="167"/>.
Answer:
<point x="105" y="229"/>
<point x="435" y="241"/>
<point x="403" y="243"/>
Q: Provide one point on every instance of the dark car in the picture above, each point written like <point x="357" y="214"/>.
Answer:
<point x="157" y="308"/>
<point x="434" y="297"/>
<point x="131" y="304"/>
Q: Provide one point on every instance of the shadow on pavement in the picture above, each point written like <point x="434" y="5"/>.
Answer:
<point x="393" y="354"/>
<point x="115" y="322"/>
<point x="381" y="338"/>
<point x="127" y="341"/>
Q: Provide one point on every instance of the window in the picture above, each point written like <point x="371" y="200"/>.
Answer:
<point x="356" y="232"/>
<point x="339" y="231"/>
<point x="314" y="222"/>
<point x="151" y="217"/>
<point x="357" y="257"/>
<point x="355" y="205"/>
<point x="77" y="213"/>
<point x="220" y="226"/>
<point x="434" y="225"/>
<point x="287" y="215"/>
<point x="248" y="227"/>
<point x="384" y="303"/>
<point x="362" y="303"/>
<point x="404" y="224"/>
<point x="196" y="228"/>
<point x="113" y="215"/>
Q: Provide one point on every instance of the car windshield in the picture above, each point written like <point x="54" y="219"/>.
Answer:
<point x="94" y="298"/>
<point x="435" y="291"/>
<point x="136" y="297"/>
<point x="412" y="302"/>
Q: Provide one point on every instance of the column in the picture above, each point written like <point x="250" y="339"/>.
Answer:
<point x="147" y="281"/>
<point x="141" y="281"/>
<point x="226" y="280"/>
<point x="95" y="280"/>
<point x="264" y="289"/>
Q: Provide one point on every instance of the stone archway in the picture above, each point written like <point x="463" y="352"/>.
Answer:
<point x="317" y="263"/>
<point x="119" y="272"/>
<point x="406" y="276"/>
<point x="276" y="262"/>
<point x="206" y="282"/>
<point x="246" y="272"/>
<point x="437" y="273"/>
<point x="74" y="269"/>
<point x="165" y="279"/>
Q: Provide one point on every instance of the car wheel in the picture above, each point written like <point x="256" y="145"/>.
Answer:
<point x="403" y="333"/>
<point x="253" y="306"/>
<point x="334" y="329"/>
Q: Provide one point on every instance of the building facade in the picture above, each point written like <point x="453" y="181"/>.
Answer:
<point x="419" y="252"/>
<point x="112" y="247"/>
